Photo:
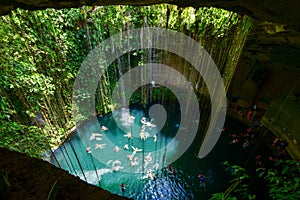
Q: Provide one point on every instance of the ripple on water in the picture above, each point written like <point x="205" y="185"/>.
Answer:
<point x="182" y="185"/>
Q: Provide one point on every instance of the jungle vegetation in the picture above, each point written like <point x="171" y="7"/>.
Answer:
<point x="41" y="52"/>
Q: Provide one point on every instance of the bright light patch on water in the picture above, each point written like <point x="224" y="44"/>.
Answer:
<point x="184" y="184"/>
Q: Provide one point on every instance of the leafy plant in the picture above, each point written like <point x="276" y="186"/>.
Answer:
<point x="283" y="180"/>
<point x="239" y="188"/>
<point x="4" y="183"/>
<point x="53" y="191"/>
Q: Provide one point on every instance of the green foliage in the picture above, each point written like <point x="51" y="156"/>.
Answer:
<point x="283" y="180"/>
<point x="239" y="188"/>
<point x="41" y="52"/>
<point x="53" y="191"/>
<point x="4" y="183"/>
<point x="25" y="139"/>
<point x="34" y="49"/>
<point x="5" y="179"/>
<point x="220" y="196"/>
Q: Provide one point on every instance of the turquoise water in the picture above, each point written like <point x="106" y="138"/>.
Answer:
<point x="97" y="167"/>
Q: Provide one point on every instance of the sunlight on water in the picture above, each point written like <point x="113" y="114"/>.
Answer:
<point x="144" y="178"/>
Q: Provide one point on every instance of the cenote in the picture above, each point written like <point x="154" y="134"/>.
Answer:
<point x="97" y="167"/>
<point x="149" y="102"/>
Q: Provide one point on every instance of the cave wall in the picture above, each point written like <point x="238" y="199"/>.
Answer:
<point x="277" y="80"/>
<point x="274" y="49"/>
<point x="269" y="64"/>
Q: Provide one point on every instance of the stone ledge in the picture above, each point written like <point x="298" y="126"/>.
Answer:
<point x="292" y="148"/>
<point x="31" y="178"/>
